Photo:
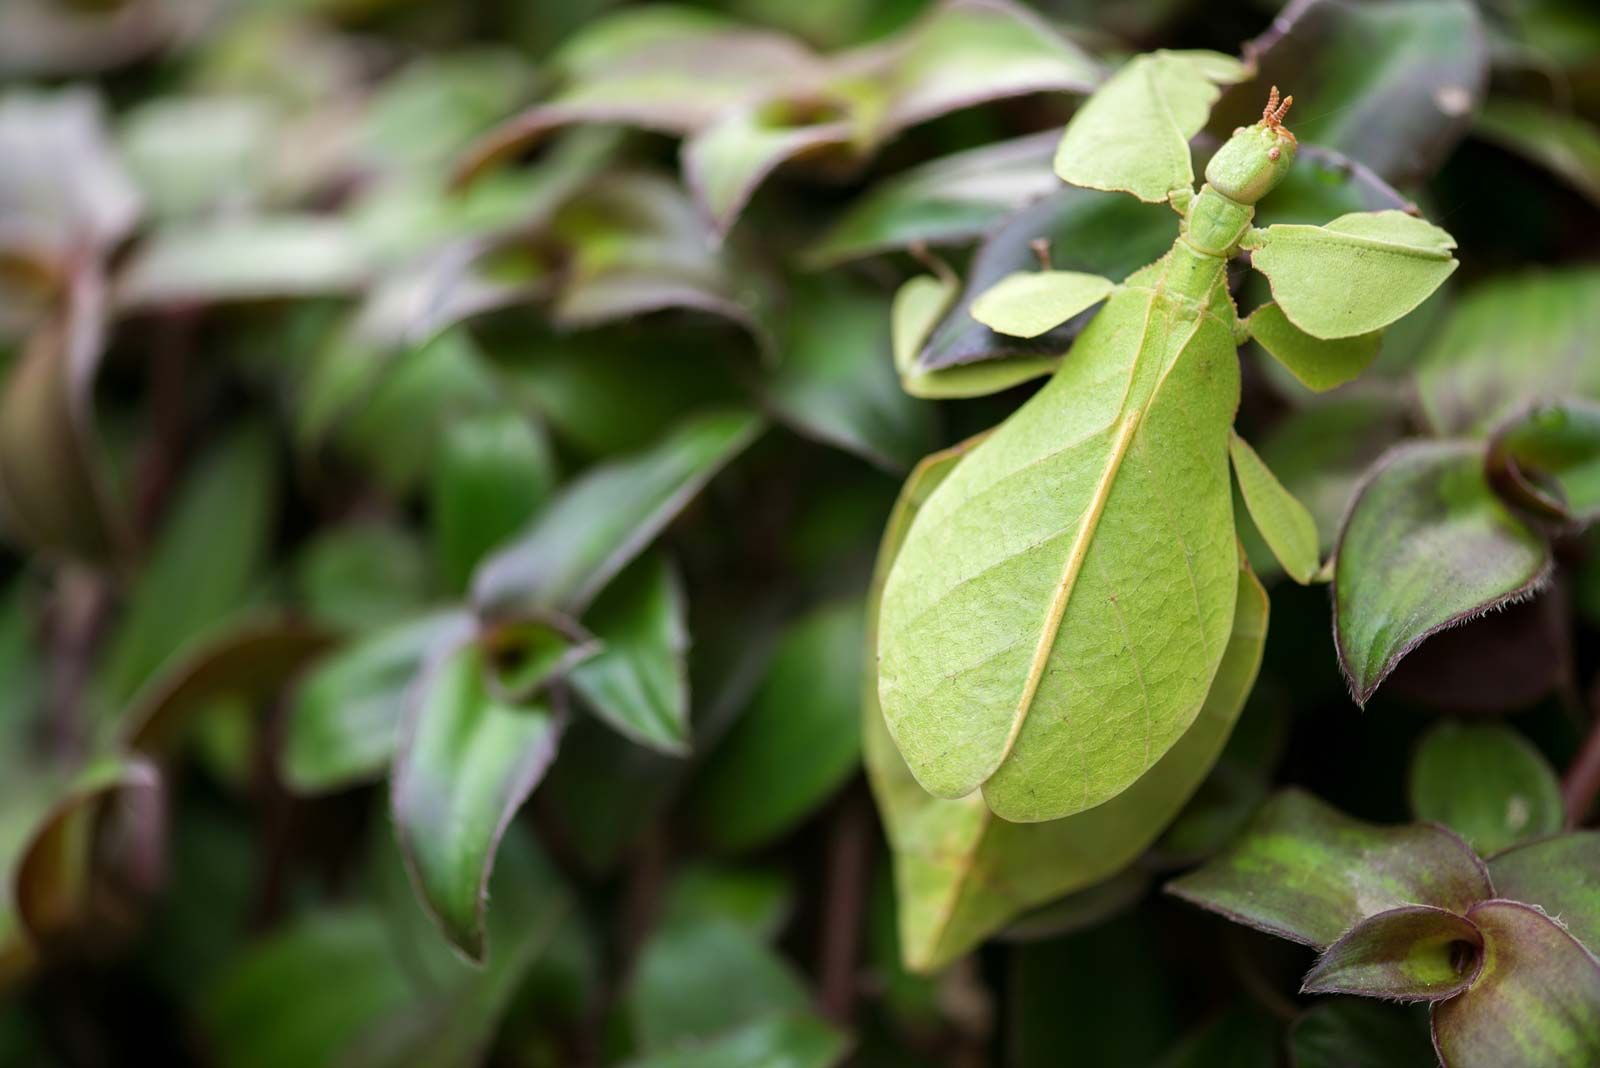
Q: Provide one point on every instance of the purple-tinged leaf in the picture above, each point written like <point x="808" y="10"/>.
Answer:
<point x="1426" y="545"/>
<point x="1412" y="953"/>
<point x="1486" y="783"/>
<point x="1308" y="873"/>
<point x="601" y="521"/>
<point x="1535" y="1002"/>
<point x="1423" y="66"/>
<point x="947" y="201"/>
<point x="1561" y="875"/>
<point x="1548" y="461"/>
<point x="724" y="163"/>
<point x="465" y="763"/>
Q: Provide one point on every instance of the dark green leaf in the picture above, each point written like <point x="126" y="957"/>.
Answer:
<point x="1426" y="545"/>
<point x="1486" y="783"/>
<point x="1566" y="144"/>
<point x="492" y="474"/>
<point x="754" y="788"/>
<point x="638" y="683"/>
<point x="464" y="763"/>
<point x="1412" y="953"/>
<point x="1346" y="1032"/>
<point x="361" y="576"/>
<point x="1534" y="1003"/>
<point x="1558" y="875"/>
<point x="1548" y="460"/>
<point x="600" y="522"/>
<point x="1511" y="342"/>
<point x="1391" y="85"/>
<point x="1308" y="873"/>
<point x="789" y="1040"/>
<point x="345" y="713"/>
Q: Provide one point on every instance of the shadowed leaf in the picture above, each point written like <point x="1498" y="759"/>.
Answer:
<point x="490" y="477"/>
<point x="1306" y="872"/>
<point x="1564" y="143"/>
<point x="1486" y="783"/>
<point x="1426" y="545"/>
<point x="1345" y="1032"/>
<point x="1549" y="460"/>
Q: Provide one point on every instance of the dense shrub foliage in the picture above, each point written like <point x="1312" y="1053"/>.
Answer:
<point x="748" y="533"/>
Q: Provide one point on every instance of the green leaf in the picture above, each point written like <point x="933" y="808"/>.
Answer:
<point x="789" y="1040"/>
<point x="725" y="162"/>
<point x="1306" y="872"/>
<point x="835" y="385"/>
<point x="1511" y="342"/>
<point x="759" y="899"/>
<point x="1556" y="874"/>
<point x="698" y="980"/>
<point x="1030" y="303"/>
<point x="1535" y="1001"/>
<point x="253" y="259"/>
<point x="1486" y="783"/>
<point x="960" y="872"/>
<point x="464" y="764"/>
<point x="195" y="155"/>
<point x="345" y="713"/>
<point x="492" y="474"/>
<point x="638" y="682"/>
<point x="361" y="575"/>
<point x="1343" y="1032"/>
<point x="1283" y="521"/>
<point x="1022" y="563"/>
<point x="1317" y="363"/>
<point x="1387" y="262"/>
<point x="526" y="653"/>
<point x="1132" y="135"/>
<point x="918" y="306"/>
<point x="1426" y="545"/>
<point x="1393" y="86"/>
<point x="1088" y="231"/>
<point x="1413" y="953"/>
<point x="600" y="522"/>
<point x="946" y="201"/>
<point x="205" y="563"/>
<point x="1550" y="459"/>
<point x="753" y="789"/>
<point x="1564" y="143"/>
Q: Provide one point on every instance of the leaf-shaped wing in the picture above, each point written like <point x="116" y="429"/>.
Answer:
<point x="1132" y="135"/>
<point x="1357" y="274"/>
<point x="1285" y="524"/>
<point x="1320" y="364"/>
<point x="1064" y="597"/>
<point x="1030" y="303"/>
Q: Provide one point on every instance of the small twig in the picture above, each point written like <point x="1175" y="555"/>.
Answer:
<point x="844" y="902"/>
<point x="1581" y="785"/>
<point x="81" y="600"/>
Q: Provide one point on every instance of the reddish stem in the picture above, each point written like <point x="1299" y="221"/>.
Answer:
<point x="1581" y="785"/>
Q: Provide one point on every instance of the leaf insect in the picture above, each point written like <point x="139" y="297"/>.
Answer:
<point x="1057" y="614"/>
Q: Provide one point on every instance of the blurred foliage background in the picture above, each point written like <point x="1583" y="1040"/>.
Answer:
<point x="368" y="364"/>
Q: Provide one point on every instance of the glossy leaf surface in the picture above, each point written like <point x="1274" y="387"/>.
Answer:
<point x="1306" y="872"/>
<point x="1426" y="545"/>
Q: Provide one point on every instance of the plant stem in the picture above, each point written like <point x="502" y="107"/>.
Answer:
<point x="1581" y="784"/>
<point x="844" y="899"/>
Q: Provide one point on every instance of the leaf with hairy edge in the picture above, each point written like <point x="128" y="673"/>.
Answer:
<point x="464" y="764"/>
<point x="1548" y="460"/>
<point x="1387" y="262"/>
<point x="1012" y="595"/>
<point x="1317" y="363"/>
<point x="1558" y="875"/>
<point x="1411" y="953"/>
<point x="753" y="788"/>
<point x="1132" y="135"/>
<point x="344" y="713"/>
<point x="1486" y="783"/>
<point x="1425" y="545"/>
<point x="1030" y="303"/>
<point x="961" y="873"/>
<point x="1283" y="522"/>
<point x="946" y="201"/>
<point x="1535" y="1002"/>
<point x="638" y="682"/>
<point x="605" y="518"/>
<point x="1306" y="872"/>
